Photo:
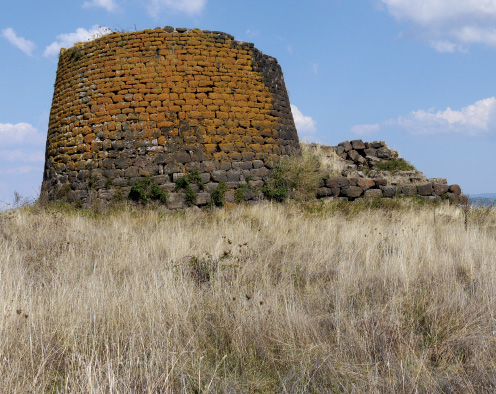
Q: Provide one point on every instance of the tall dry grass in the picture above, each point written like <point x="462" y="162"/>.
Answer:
<point x="259" y="298"/>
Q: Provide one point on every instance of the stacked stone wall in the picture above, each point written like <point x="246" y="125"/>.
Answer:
<point x="361" y="176"/>
<point x="161" y="103"/>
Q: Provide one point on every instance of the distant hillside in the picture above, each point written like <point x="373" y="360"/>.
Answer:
<point x="483" y="199"/>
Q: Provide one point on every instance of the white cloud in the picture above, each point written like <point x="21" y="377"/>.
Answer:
<point x="22" y="155"/>
<point x="304" y="124"/>
<point x="365" y="129"/>
<point x="190" y="7"/>
<point x="473" y="120"/>
<point x="21" y="170"/>
<point x="109" y="5"/>
<point x="67" y="40"/>
<point x="20" y="133"/>
<point x="448" y="25"/>
<point x="19" y="42"/>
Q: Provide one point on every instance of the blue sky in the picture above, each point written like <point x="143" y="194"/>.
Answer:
<point x="418" y="74"/>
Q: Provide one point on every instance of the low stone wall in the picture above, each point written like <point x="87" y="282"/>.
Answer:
<point x="352" y="188"/>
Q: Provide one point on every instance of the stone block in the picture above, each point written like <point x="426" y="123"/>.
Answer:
<point x="357" y="145"/>
<point x="346" y="146"/>
<point x="384" y="153"/>
<point x="219" y="176"/>
<point x="440" y="188"/>
<point x="172" y="168"/>
<point x="161" y="179"/>
<point x="120" y="182"/>
<point x="337" y="182"/>
<point x="353" y="155"/>
<point x="377" y="144"/>
<point x="373" y="193"/>
<point x="242" y="165"/>
<point x="455" y="189"/>
<point x="259" y="172"/>
<point x="409" y="190"/>
<point x="425" y="189"/>
<point x="202" y="198"/>
<point x="177" y="175"/>
<point x="380" y="182"/>
<point x="205" y="177"/>
<point x="352" y="191"/>
<point x="181" y="157"/>
<point x="225" y="165"/>
<point x="389" y="191"/>
<point x="370" y="152"/>
<point x="366" y="183"/>
<point x="176" y="201"/>
<point x="233" y="176"/>
<point x="324" y="192"/>
<point x="257" y="164"/>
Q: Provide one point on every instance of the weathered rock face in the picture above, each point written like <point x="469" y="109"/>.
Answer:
<point x="161" y="103"/>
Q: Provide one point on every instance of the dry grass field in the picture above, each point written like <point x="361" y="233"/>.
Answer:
<point x="249" y="299"/>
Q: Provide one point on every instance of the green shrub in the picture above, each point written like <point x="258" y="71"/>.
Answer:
<point x="190" y="195"/>
<point x="297" y="177"/>
<point x="63" y="192"/>
<point x="395" y="165"/>
<point x="240" y="193"/>
<point x="145" y="190"/>
<point x="193" y="177"/>
<point x="218" y="194"/>
<point x="185" y="183"/>
<point x="92" y="182"/>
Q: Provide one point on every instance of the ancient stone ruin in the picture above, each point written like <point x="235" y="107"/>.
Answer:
<point x="194" y="117"/>
<point x="372" y="170"/>
<point x="160" y="104"/>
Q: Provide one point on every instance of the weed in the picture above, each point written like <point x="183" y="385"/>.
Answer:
<point x="75" y="54"/>
<point x="240" y="193"/>
<point x="190" y="195"/>
<point x="296" y="176"/>
<point x="193" y="177"/>
<point x="63" y="192"/>
<point x="395" y="165"/>
<point x="218" y="194"/>
<point x="185" y="183"/>
<point x="92" y="182"/>
<point x="145" y="190"/>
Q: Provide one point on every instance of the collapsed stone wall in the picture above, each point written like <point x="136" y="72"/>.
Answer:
<point x="161" y="103"/>
<point x="361" y="176"/>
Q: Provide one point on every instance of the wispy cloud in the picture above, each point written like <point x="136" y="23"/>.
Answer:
<point x="305" y="125"/>
<point x="12" y="135"/>
<point x="109" y="5"/>
<point x="315" y="68"/>
<point x="190" y="7"/>
<point x="22" y="155"/>
<point x="448" y="25"/>
<point x="21" y="170"/>
<point x="473" y="120"/>
<point x="19" y="42"/>
<point x="252" y="33"/>
<point x="67" y="40"/>
<point x="365" y="129"/>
